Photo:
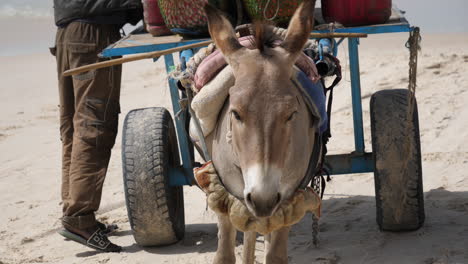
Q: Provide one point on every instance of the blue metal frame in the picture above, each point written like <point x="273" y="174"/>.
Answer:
<point x="358" y="161"/>
<point x="378" y="29"/>
<point x="143" y="48"/>
<point x="184" y="175"/>
<point x="356" y="94"/>
<point x="349" y="163"/>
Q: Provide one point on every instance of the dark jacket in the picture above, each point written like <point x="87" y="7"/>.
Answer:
<point x="118" y="11"/>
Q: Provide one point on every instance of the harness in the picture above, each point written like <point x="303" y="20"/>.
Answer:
<point x="314" y="96"/>
<point x="317" y="175"/>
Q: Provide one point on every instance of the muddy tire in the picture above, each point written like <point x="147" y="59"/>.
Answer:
<point x="397" y="159"/>
<point x="149" y="149"/>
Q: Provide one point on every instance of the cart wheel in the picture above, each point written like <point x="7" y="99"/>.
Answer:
<point x="397" y="160"/>
<point x="149" y="149"/>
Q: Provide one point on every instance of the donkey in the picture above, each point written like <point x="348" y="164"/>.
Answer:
<point x="265" y="132"/>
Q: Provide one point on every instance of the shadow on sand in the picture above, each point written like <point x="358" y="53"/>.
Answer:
<point x="199" y="238"/>
<point x="349" y="234"/>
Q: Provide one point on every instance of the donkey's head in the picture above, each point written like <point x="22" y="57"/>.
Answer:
<point x="272" y="129"/>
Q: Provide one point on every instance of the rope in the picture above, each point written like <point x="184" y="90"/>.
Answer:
<point x="413" y="45"/>
<point x="266" y="8"/>
<point x="186" y="76"/>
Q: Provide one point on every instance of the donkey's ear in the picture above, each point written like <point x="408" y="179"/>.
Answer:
<point x="299" y="29"/>
<point x="222" y="31"/>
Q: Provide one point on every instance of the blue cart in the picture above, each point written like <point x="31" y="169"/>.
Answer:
<point x="158" y="157"/>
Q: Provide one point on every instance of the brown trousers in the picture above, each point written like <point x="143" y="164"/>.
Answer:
<point x="89" y="108"/>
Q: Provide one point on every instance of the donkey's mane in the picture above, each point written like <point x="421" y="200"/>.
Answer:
<point x="264" y="36"/>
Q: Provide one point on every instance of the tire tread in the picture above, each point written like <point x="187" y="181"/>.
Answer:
<point x="149" y="148"/>
<point x="398" y="181"/>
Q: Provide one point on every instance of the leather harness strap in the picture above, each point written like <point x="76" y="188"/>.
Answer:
<point x="314" y="162"/>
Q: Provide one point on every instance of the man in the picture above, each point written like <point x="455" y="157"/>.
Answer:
<point x="89" y="108"/>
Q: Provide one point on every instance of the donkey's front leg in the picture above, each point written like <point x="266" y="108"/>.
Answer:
<point x="248" y="256"/>
<point x="276" y="246"/>
<point x="226" y="241"/>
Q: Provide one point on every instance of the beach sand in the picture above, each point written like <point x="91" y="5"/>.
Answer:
<point x="30" y="166"/>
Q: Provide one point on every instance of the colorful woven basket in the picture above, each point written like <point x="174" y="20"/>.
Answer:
<point x="186" y="16"/>
<point x="278" y="11"/>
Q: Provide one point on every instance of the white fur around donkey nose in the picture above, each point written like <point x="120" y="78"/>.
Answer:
<point x="220" y="201"/>
<point x="261" y="193"/>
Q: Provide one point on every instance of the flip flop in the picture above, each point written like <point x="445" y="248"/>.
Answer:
<point x="98" y="240"/>
<point x="107" y="229"/>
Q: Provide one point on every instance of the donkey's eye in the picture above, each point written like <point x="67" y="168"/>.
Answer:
<point x="291" y="117"/>
<point x="236" y="115"/>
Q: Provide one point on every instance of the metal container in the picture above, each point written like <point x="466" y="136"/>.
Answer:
<point x="357" y="12"/>
<point x="153" y="19"/>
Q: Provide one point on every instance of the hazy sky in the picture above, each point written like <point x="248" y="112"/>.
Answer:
<point x="27" y="25"/>
<point x="430" y="15"/>
<point x="436" y="15"/>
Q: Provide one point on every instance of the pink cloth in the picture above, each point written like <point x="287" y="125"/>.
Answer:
<point x="215" y="62"/>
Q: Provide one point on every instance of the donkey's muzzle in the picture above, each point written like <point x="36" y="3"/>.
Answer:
<point x="262" y="204"/>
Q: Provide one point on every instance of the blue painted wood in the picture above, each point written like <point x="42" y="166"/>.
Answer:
<point x="180" y="128"/>
<point x="177" y="177"/>
<point x="349" y="163"/>
<point x="112" y="52"/>
<point x="378" y="29"/>
<point x="356" y="94"/>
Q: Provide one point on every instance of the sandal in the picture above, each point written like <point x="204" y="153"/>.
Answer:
<point x="98" y="240"/>
<point x="107" y="229"/>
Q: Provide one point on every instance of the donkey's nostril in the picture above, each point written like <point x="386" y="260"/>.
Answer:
<point x="263" y="204"/>
<point x="249" y="198"/>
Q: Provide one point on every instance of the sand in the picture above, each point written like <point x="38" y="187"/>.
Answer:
<point x="30" y="167"/>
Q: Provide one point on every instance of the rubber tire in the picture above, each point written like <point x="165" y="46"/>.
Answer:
<point x="397" y="161"/>
<point x="149" y="149"/>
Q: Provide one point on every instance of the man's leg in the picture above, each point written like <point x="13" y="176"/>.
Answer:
<point x="67" y="111"/>
<point x="95" y="120"/>
<point x="97" y="95"/>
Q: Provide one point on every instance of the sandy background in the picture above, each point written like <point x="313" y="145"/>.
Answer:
<point x="30" y="166"/>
